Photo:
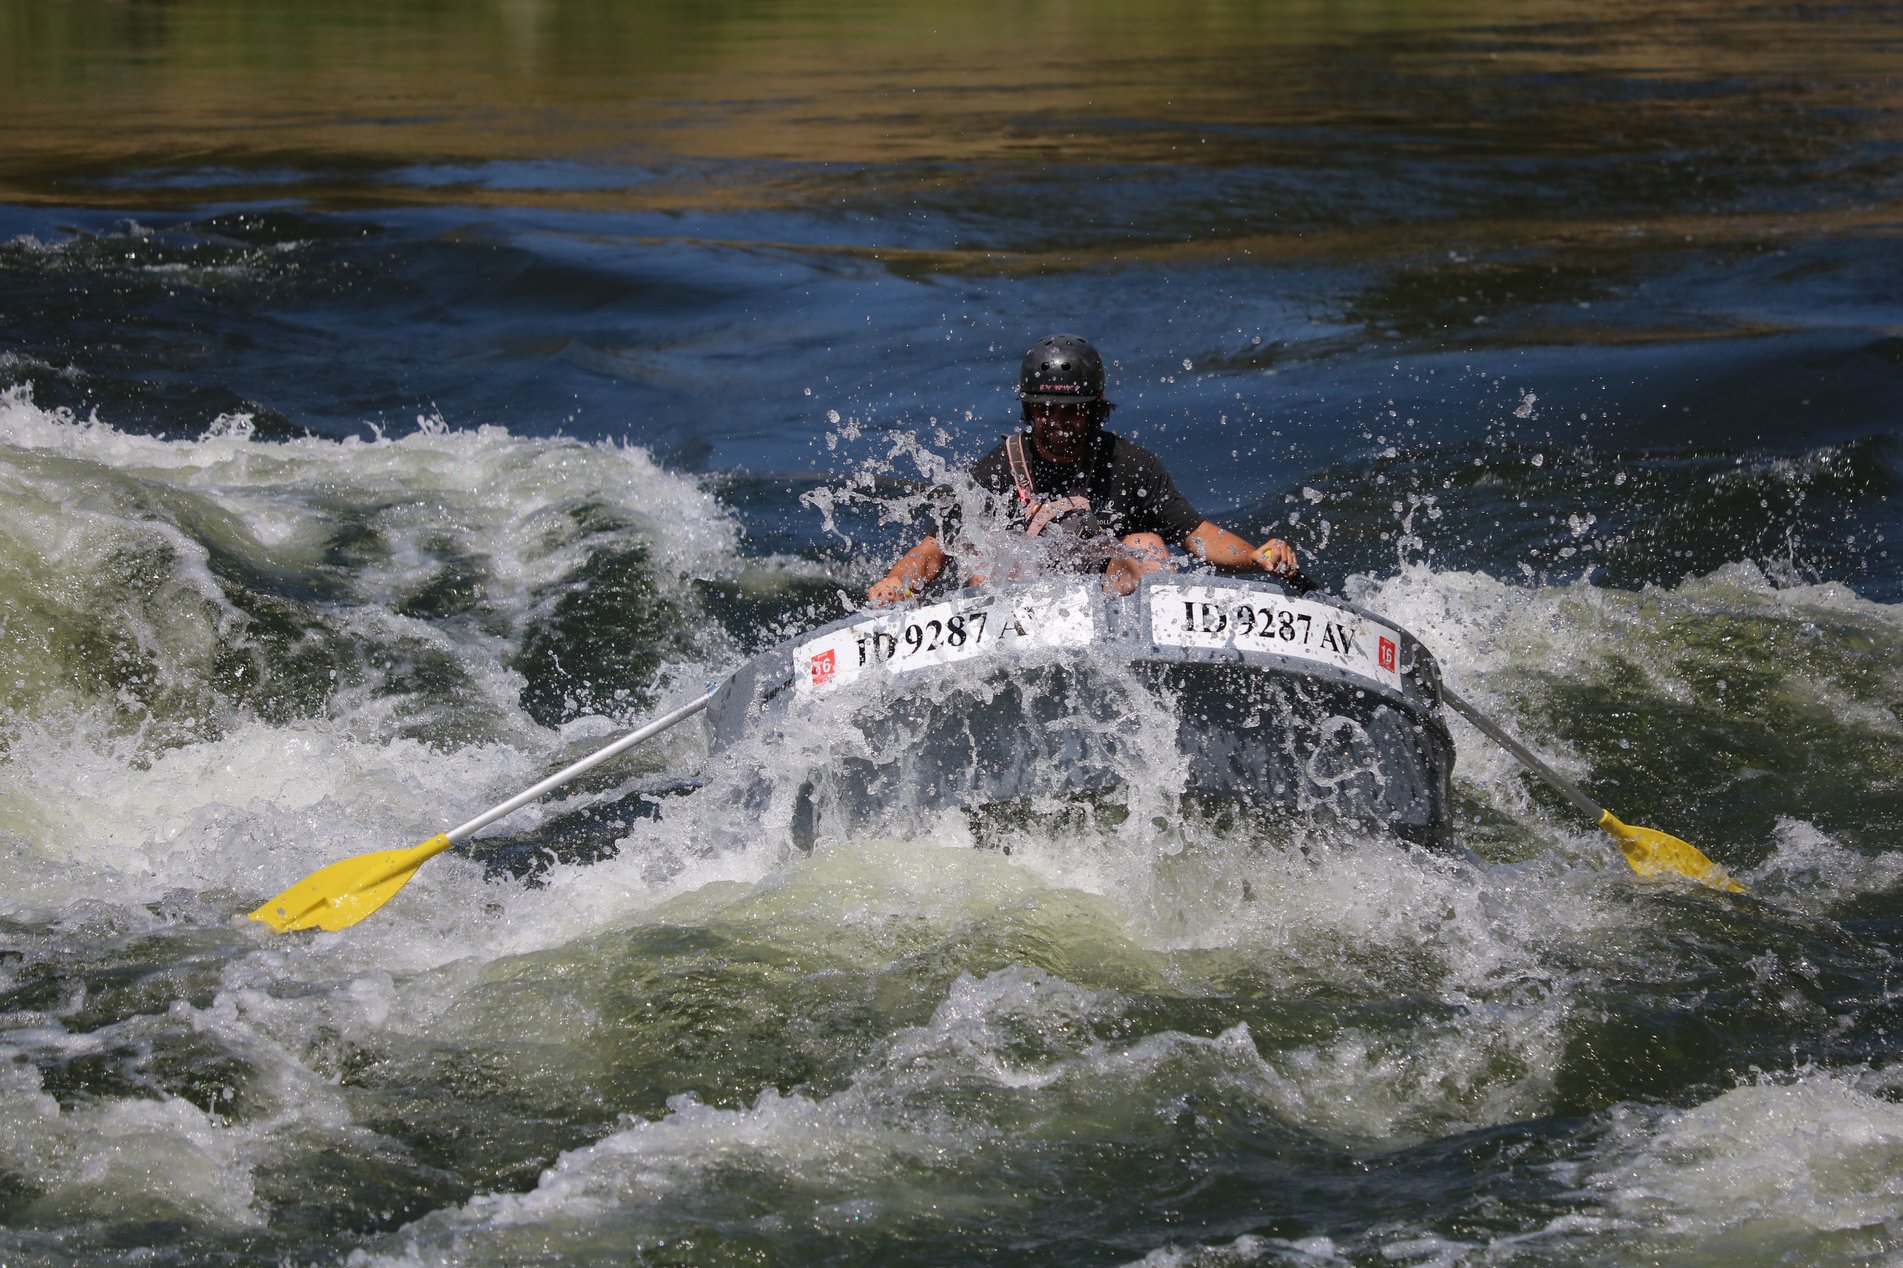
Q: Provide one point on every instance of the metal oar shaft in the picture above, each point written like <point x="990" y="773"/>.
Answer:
<point x="1647" y="851"/>
<point x="586" y="764"/>
<point x="338" y="896"/>
<point x="1513" y="746"/>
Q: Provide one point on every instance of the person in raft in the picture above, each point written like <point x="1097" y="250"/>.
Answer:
<point x="1093" y="499"/>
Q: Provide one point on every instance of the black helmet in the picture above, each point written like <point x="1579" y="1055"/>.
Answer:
<point x="1061" y="368"/>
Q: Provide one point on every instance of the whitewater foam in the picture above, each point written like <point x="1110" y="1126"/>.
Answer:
<point x="1807" y="1166"/>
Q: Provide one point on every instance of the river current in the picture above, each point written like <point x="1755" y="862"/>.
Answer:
<point x="399" y="402"/>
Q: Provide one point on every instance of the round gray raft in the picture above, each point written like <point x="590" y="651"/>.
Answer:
<point x="1227" y="692"/>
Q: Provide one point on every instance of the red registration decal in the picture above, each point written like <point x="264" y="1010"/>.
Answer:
<point x="1386" y="655"/>
<point x="824" y="666"/>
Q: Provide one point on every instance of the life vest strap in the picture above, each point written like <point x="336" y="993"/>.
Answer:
<point x="1038" y="515"/>
<point x="1020" y="468"/>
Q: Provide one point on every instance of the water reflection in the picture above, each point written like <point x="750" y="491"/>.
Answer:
<point x="602" y="216"/>
<point x="1049" y="128"/>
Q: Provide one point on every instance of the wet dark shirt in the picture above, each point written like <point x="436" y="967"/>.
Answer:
<point x="1127" y="486"/>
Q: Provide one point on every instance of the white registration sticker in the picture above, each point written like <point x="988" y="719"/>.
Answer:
<point x="1203" y="616"/>
<point x="945" y="633"/>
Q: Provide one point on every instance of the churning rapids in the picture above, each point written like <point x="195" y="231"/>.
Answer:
<point x="395" y="408"/>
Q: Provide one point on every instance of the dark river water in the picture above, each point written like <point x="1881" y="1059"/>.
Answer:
<point x="399" y="401"/>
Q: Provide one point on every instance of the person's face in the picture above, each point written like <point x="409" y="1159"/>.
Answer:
<point x="1060" y="429"/>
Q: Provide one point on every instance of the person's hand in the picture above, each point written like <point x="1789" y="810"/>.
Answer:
<point x="1276" y="556"/>
<point x="916" y="569"/>
<point x="888" y="590"/>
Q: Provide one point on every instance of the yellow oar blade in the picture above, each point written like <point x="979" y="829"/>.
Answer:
<point x="338" y="896"/>
<point x="1650" y="852"/>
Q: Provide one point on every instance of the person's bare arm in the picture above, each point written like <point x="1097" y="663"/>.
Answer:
<point x="914" y="569"/>
<point x="1223" y="549"/>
